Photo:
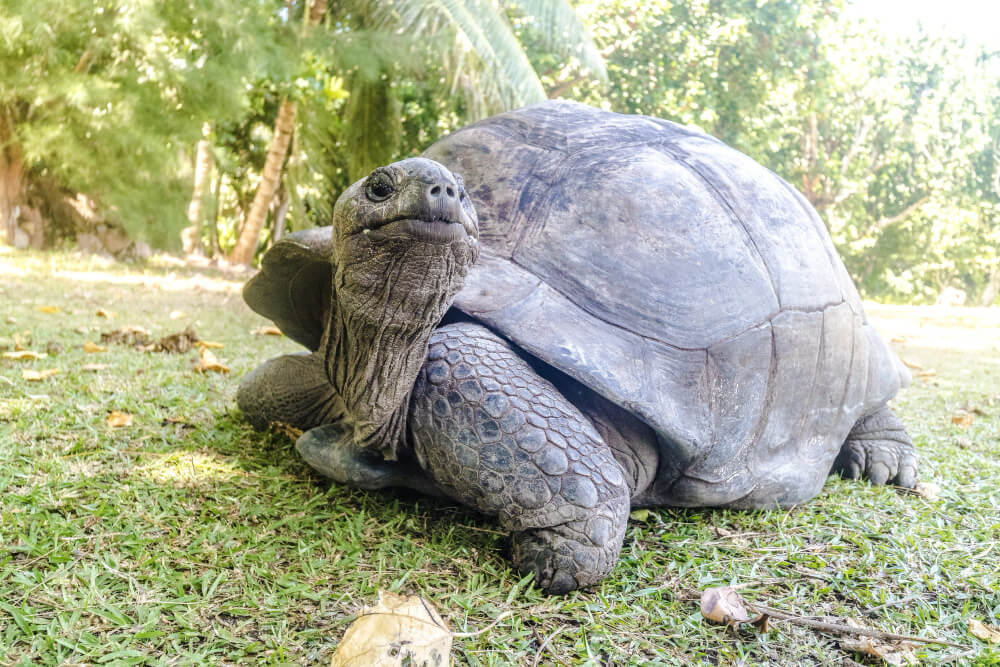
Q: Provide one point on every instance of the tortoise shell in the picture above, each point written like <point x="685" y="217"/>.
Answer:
<point x="680" y="279"/>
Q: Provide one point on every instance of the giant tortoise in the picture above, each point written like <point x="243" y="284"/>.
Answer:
<point x="641" y="316"/>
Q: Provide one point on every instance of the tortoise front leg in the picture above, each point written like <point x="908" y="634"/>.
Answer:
<point x="495" y="435"/>
<point x="293" y="389"/>
<point x="331" y="451"/>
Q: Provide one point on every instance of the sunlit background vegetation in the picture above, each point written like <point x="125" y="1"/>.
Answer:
<point x="124" y="123"/>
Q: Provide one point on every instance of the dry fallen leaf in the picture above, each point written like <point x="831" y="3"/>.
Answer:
<point x="723" y="604"/>
<point x="94" y="367"/>
<point x="962" y="419"/>
<point x="266" y="331"/>
<point x="209" y="343"/>
<point x="639" y="515"/>
<point x="911" y="364"/>
<point x="928" y="490"/>
<point x="177" y="343"/>
<point x="18" y="343"/>
<point x="925" y="375"/>
<point x="399" y="630"/>
<point x="898" y="653"/>
<point x="209" y="362"/>
<point x="90" y="347"/>
<point x="987" y="633"/>
<point x="899" y="338"/>
<point x="38" y="376"/>
<point x="130" y="334"/>
<point x="48" y="309"/>
<point x="118" y="419"/>
<point x="107" y="314"/>
<point x="23" y="355"/>
<point x="177" y="314"/>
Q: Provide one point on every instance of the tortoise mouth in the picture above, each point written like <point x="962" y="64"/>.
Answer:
<point x="437" y="230"/>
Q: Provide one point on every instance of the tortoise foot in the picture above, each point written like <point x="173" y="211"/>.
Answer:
<point x="566" y="557"/>
<point x="331" y="451"/>
<point x="879" y="449"/>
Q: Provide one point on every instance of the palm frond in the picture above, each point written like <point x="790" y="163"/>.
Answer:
<point x="563" y="32"/>
<point x="477" y="26"/>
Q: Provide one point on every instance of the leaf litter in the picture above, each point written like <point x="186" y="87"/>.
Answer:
<point x="398" y="630"/>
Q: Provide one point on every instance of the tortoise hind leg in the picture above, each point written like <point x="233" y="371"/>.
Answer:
<point x="879" y="448"/>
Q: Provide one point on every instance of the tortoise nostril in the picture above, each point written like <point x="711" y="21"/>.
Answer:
<point x="450" y="191"/>
<point x="436" y="190"/>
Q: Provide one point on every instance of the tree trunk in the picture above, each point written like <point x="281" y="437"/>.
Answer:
<point x="249" y="237"/>
<point x="191" y="236"/>
<point x="11" y="173"/>
<point x="250" y="234"/>
<point x="280" y="213"/>
<point x="216" y="205"/>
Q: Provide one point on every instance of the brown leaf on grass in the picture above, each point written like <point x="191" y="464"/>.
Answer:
<point x="212" y="344"/>
<point x="175" y="343"/>
<point x="962" y="419"/>
<point x="118" y="419"/>
<point x="106" y="314"/>
<point x="94" y="367"/>
<point x="267" y="331"/>
<point x="898" y="338"/>
<point x="399" y="630"/>
<point x="130" y="334"/>
<point x="24" y="355"/>
<point x="37" y="376"/>
<point x="911" y="364"/>
<point x="177" y="314"/>
<point x="892" y="653"/>
<point x="723" y="604"/>
<point x="209" y="362"/>
<point x="926" y="375"/>
<point x="91" y="347"/>
<point x="987" y="633"/>
<point x="140" y="338"/>
<point x="51" y="310"/>
<point x="19" y="341"/>
<point x="928" y="490"/>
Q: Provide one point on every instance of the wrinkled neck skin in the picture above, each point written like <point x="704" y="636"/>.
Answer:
<point x="388" y="301"/>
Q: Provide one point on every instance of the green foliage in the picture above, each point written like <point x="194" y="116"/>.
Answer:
<point x="107" y="96"/>
<point x="894" y="141"/>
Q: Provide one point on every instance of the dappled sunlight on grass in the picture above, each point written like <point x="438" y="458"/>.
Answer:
<point x="188" y="469"/>
<point x="938" y="327"/>
<point x="168" y="282"/>
<point x="159" y="272"/>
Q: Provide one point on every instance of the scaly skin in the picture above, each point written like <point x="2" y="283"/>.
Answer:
<point x="493" y="434"/>
<point x="879" y="449"/>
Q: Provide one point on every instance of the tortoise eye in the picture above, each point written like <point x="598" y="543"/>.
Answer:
<point x="379" y="186"/>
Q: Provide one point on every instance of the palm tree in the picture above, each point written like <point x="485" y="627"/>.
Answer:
<point x="482" y="60"/>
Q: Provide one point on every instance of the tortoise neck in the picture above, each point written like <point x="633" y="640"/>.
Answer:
<point x="374" y="348"/>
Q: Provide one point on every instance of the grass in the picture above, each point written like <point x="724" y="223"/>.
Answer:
<point x="187" y="538"/>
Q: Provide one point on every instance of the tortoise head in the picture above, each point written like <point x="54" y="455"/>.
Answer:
<point x="404" y="238"/>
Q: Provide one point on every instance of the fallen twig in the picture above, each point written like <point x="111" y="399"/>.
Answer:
<point x="488" y="627"/>
<point x="844" y="629"/>
<point x="538" y="655"/>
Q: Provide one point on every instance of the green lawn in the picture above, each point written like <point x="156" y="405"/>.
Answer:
<point x="187" y="538"/>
